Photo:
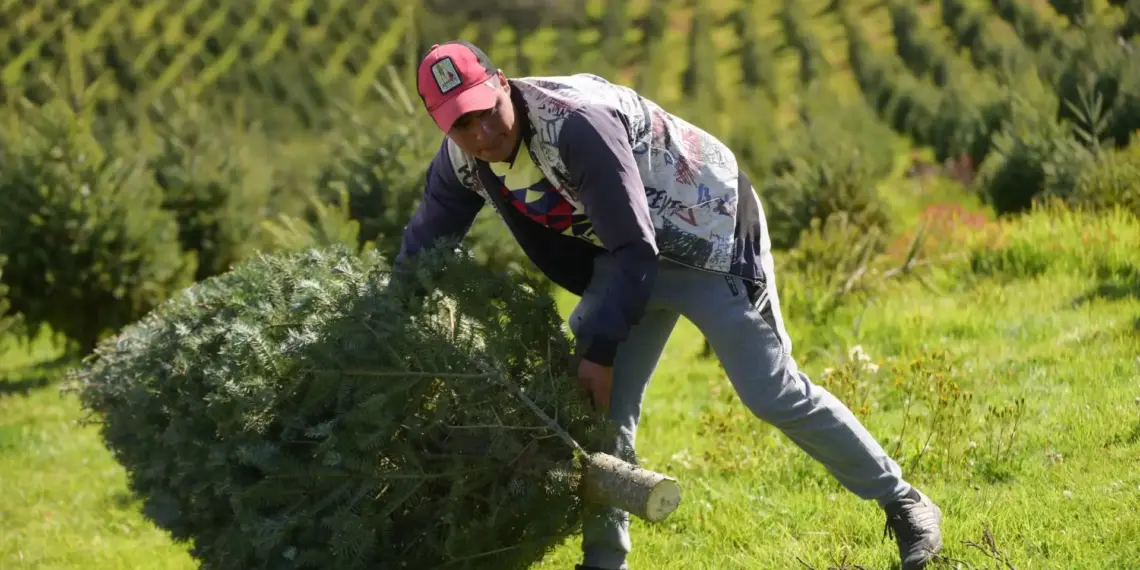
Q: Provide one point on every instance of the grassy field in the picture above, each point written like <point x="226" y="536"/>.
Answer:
<point x="1021" y="363"/>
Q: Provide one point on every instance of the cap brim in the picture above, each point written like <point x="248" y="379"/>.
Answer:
<point x="478" y="97"/>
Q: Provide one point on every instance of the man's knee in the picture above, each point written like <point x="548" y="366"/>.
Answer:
<point x="780" y="396"/>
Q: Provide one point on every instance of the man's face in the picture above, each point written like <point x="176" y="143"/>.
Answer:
<point x="488" y="135"/>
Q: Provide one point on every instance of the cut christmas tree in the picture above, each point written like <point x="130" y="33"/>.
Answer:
<point x="304" y="410"/>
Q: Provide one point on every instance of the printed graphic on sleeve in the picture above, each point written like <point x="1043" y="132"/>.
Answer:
<point x="535" y="197"/>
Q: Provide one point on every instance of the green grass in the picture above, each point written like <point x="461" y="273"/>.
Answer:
<point x="63" y="500"/>
<point x="1062" y="492"/>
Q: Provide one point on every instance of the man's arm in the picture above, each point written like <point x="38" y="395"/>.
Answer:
<point x="448" y="208"/>
<point x="594" y="145"/>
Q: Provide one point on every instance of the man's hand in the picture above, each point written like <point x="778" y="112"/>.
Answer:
<point x="597" y="381"/>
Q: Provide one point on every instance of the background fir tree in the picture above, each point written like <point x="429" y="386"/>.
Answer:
<point x="755" y="52"/>
<point x="699" y="81"/>
<point x="89" y="247"/>
<point x="8" y="319"/>
<point x="654" y="56"/>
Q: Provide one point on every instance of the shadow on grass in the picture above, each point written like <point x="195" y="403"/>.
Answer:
<point x="1113" y="289"/>
<point x="22" y="386"/>
<point x="125" y="500"/>
<point x="23" y="381"/>
<point x="1125" y="437"/>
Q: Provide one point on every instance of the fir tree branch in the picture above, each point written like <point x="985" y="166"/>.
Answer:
<point x="561" y="433"/>
<point x="400" y="374"/>
<point x="482" y="554"/>
<point x="387" y="477"/>
<point x="500" y="426"/>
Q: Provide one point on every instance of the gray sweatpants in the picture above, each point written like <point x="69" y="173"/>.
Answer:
<point x="745" y="329"/>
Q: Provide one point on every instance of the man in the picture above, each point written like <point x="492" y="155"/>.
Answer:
<point x="647" y="218"/>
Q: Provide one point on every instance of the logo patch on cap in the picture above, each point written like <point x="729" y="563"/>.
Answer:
<point x="446" y="77"/>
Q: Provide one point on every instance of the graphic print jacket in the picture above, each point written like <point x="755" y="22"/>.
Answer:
<point x="620" y="176"/>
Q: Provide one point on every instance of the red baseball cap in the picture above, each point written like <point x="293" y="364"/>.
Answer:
<point x="456" y="78"/>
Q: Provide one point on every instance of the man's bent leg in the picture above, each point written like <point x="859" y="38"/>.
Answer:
<point x="605" y="531"/>
<point x="741" y="323"/>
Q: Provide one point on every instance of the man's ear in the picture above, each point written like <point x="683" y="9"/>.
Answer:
<point x="503" y="81"/>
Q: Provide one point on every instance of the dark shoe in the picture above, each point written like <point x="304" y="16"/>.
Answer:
<point x="580" y="567"/>
<point x="914" y="521"/>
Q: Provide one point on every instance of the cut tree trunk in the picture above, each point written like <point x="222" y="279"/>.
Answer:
<point x="615" y="483"/>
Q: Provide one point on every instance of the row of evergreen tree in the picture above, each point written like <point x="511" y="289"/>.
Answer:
<point x="816" y="122"/>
